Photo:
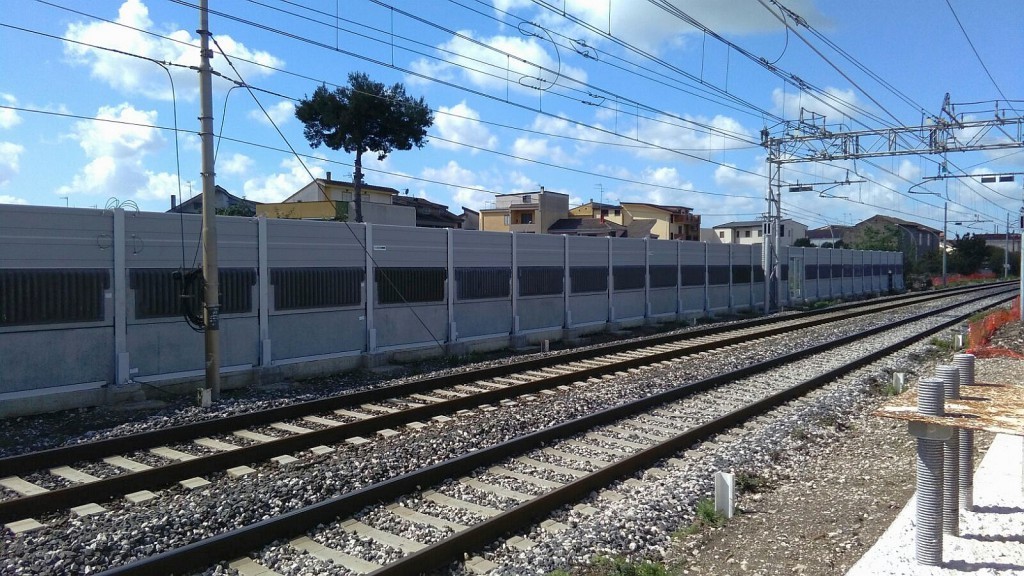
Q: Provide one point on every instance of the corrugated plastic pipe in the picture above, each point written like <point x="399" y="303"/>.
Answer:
<point x="965" y="362"/>
<point x="950" y="376"/>
<point x="930" y="402"/>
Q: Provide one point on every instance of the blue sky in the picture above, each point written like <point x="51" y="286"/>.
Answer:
<point x="613" y="100"/>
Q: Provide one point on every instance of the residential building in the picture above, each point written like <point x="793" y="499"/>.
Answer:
<point x="753" y="231"/>
<point x="598" y="210"/>
<point x="1010" y="244"/>
<point x="327" y="199"/>
<point x="670" y="222"/>
<point x="532" y="212"/>
<point x="588" y="227"/>
<point x="920" y="238"/>
<point x="829" y="235"/>
<point x="470" y="219"/>
<point x="429" y="214"/>
<point x="223" y="201"/>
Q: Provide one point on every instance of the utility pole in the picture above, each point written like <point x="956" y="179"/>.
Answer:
<point x="811" y="139"/>
<point x="211" y="308"/>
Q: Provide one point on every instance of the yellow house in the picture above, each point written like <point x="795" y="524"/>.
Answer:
<point x="532" y="212"/>
<point x="609" y="212"/>
<point x="327" y="199"/>
<point x="670" y="222"/>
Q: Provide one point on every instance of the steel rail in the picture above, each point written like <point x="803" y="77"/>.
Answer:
<point x="97" y="491"/>
<point x="201" y="554"/>
<point x="17" y="508"/>
<point x="22" y="463"/>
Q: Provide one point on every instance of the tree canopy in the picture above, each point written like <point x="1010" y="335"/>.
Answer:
<point x="969" y="254"/>
<point x="365" y="116"/>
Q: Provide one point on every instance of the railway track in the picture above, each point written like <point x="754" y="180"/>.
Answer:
<point x="85" y="473"/>
<point x="561" y="478"/>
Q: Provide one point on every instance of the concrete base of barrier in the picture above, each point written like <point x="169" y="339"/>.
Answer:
<point x="88" y="394"/>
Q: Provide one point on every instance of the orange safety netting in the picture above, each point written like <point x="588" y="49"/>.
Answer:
<point x="980" y="333"/>
<point x="954" y="278"/>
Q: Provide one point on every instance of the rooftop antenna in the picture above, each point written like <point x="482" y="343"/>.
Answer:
<point x="600" y="188"/>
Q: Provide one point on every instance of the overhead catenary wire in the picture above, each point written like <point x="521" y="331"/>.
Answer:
<point x="415" y="73"/>
<point x="348" y="226"/>
<point x="616" y="135"/>
<point x="978" y="56"/>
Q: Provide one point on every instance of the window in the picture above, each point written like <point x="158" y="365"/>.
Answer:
<point x="628" y="277"/>
<point x="721" y="233"/>
<point x="508" y="219"/>
<point x="692" y="274"/>
<point x="588" y="279"/>
<point x="478" y="283"/>
<point x="760" y="233"/>
<point x="618" y="212"/>
<point x="718" y="275"/>
<point x="604" y="213"/>
<point x="401" y="285"/>
<point x="663" y="276"/>
<point x="782" y="230"/>
<point x="164" y="293"/>
<point x="526" y="199"/>
<point x="52" y="296"/>
<point x="298" y="288"/>
<point x="746" y="233"/>
<point x="540" y="280"/>
<point x="526" y="218"/>
<point x="741" y="274"/>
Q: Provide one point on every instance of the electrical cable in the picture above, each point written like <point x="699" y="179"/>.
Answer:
<point x="977" y="55"/>
<point x="348" y="226"/>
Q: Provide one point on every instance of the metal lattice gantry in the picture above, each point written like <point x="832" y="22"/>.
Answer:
<point x="810" y="139"/>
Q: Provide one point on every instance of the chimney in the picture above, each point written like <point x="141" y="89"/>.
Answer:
<point x="542" y="189"/>
<point x="174" y="201"/>
<point x="328" y="174"/>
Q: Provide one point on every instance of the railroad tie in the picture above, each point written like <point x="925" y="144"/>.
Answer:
<point x="426" y="519"/>
<point x="395" y="541"/>
<point x="541" y="465"/>
<point x="541" y="482"/>
<point x="73" y="475"/>
<point x="496" y="490"/>
<point x="21" y="486"/>
<point x="127" y="464"/>
<point x="247" y="567"/>
<point x="318" y="550"/>
<point x="445" y="500"/>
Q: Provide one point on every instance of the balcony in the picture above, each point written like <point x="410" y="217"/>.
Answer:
<point x="532" y="228"/>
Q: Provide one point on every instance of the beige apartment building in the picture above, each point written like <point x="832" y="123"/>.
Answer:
<point x="531" y="212"/>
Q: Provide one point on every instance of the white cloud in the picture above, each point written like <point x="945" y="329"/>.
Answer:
<point x="236" y="165"/>
<point x="461" y="124"/>
<point x="128" y="133"/>
<point x="4" y="199"/>
<point x="484" y="63"/>
<point x="137" y="76"/>
<point x="700" y="137"/>
<point x="464" y="184"/>
<point x="10" y="161"/>
<point x="728" y="179"/>
<point x="834" y="105"/>
<point x="540" y="149"/>
<point x="9" y="118"/>
<point x="277" y="187"/>
<point x="279" y="113"/>
<point x="117" y="151"/>
<point x="649" y="27"/>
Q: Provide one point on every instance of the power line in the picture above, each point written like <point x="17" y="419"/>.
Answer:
<point x="977" y="55"/>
